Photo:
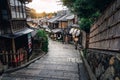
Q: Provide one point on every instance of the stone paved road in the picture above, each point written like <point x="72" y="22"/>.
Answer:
<point x="61" y="63"/>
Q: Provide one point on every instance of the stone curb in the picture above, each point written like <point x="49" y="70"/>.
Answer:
<point x="24" y="65"/>
<point x="89" y="71"/>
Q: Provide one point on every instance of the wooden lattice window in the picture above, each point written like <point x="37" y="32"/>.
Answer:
<point x="17" y="9"/>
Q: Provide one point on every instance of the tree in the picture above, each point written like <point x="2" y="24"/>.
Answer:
<point x="84" y="24"/>
<point x="50" y="15"/>
<point x="32" y="13"/>
<point x="86" y="10"/>
<point x="44" y="14"/>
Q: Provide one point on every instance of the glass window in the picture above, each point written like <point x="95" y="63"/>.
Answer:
<point x="13" y="13"/>
<point x="20" y="10"/>
<point x="24" y="15"/>
<point x="17" y="9"/>
<point x="24" y="11"/>
<point x="12" y="2"/>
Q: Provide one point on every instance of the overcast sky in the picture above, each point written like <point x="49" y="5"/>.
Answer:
<point x="45" y="5"/>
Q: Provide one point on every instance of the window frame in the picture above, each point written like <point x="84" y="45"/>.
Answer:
<point x="17" y="9"/>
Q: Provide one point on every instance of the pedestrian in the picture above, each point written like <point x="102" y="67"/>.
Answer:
<point x="76" y="42"/>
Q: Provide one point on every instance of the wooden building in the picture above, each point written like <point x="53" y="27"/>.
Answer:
<point x="53" y="23"/>
<point x="15" y="36"/>
<point x="54" y="26"/>
<point x="65" y="23"/>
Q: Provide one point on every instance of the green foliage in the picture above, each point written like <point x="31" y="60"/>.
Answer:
<point x="42" y="34"/>
<point x="32" y="13"/>
<point x="84" y="24"/>
<point x="88" y="10"/>
<point x="68" y="3"/>
<point x="85" y="52"/>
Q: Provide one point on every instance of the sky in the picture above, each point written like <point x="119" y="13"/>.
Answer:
<point x="45" y="5"/>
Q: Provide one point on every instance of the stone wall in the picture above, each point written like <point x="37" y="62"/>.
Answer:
<point x="104" y="44"/>
<point x="104" y="64"/>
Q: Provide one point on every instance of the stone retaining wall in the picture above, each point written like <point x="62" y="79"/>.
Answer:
<point x="105" y="65"/>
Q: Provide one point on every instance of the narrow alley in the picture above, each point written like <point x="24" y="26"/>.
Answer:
<point x="59" y="40"/>
<point x="60" y="63"/>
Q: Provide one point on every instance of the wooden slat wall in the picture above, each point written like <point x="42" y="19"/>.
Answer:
<point x="18" y="25"/>
<point x="105" y="33"/>
<point x="84" y="37"/>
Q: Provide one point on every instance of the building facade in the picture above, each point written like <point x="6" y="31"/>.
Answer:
<point x="15" y="36"/>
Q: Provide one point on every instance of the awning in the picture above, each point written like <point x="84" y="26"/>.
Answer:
<point x="57" y="30"/>
<point x="45" y="26"/>
<point x="75" y="25"/>
<point x="17" y="34"/>
<point x="48" y="30"/>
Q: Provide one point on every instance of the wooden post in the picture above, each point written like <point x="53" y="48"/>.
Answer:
<point x="13" y="45"/>
<point x="6" y="55"/>
<point x="11" y="58"/>
<point x="14" y="51"/>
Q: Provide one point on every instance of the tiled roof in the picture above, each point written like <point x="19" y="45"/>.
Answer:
<point x="70" y="17"/>
<point x="63" y="18"/>
<point x="54" y="20"/>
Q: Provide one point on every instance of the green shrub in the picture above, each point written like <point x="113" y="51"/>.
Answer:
<point x="85" y="52"/>
<point x="42" y="34"/>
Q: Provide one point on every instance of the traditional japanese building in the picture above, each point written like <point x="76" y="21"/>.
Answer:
<point x="61" y="24"/>
<point x="65" y="23"/>
<point x="54" y="26"/>
<point x="15" y="36"/>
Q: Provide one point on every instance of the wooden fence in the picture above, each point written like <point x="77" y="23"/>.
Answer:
<point x="105" y="33"/>
<point x="13" y="59"/>
<point x="84" y="39"/>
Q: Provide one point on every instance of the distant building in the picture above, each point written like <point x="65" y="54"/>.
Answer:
<point x="61" y="24"/>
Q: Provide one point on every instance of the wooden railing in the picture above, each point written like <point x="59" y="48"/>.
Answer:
<point x="14" y="59"/>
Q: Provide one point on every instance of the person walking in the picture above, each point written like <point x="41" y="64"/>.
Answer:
<point x="76" y="42"/>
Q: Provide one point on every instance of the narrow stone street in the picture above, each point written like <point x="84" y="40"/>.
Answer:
<point x="62" y="62"/>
